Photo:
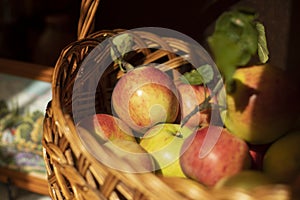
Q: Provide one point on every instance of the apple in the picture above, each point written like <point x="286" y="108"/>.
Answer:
<point x="282" y="159"/>
<point x="137" y="159"/>
<point x="262" y="105"/>
<point x="145" y="96"/>
<point x="228" y="156"/>
<point x="190" y="97"/>
<point x="246" y="180"/>
<point x="112" y="153"/>
<point x="163" y="142"/>
<point x="106" y="127"/>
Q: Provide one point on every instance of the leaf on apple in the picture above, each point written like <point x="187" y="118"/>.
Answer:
<point x="124" y="43"/>
<point x="236" y="38"/>
<point x="201" y="75"/>
<point x="120" y="45"/>
<point x="263" y="51"/>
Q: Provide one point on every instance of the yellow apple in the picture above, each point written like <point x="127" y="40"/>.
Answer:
<point x="282" y="159"/>
<point x="262" y="104"/>
<point x="164" y="142"/>
<point x="246" y="180"/>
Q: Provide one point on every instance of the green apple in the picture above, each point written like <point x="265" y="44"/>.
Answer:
<point x="164" y="142"/>
<point x="261" y="106"/>
<point x="282" y="159"/>
<point x="145" y="96"/>
<point x="246" y="179"/>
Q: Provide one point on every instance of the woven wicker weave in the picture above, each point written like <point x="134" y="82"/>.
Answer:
<point x="73" y="171"/>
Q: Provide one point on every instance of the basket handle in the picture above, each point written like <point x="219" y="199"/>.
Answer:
<point x="87" y="17"/>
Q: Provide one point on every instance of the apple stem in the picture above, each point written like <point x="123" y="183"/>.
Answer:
<point x="202" y="106"/>
<point x="205" y="104"/>
<point x="178" y="134"/>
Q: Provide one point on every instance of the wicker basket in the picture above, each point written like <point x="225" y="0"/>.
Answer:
<point x="73" y="171"/>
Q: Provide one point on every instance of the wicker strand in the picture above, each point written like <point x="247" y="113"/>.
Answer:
<point x="87" y="17"/>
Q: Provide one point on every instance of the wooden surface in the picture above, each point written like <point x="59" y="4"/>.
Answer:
<point x="28" y="70"/>
<point x="25" y="181"/>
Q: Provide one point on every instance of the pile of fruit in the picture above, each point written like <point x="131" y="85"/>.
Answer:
<point x="253" y="139"/>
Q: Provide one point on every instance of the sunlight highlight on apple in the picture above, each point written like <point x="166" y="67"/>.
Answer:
<point x="144" y="97"/>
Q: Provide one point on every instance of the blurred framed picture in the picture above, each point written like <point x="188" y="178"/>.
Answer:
<point x="25" y="90"/>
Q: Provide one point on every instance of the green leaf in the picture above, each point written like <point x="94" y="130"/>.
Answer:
<point x="123" y="43"/>
<point x="192" y="77"/>
<point x="198" y="76"/>
<point x="120" y="45"/>
<point x="207" y="72"/>
<point x="234" y="41"/>
<point x="263" y="52"/>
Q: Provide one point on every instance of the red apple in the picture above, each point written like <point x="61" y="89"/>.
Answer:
<point x="107" y="127"/>
<point x="145" y="96"/>
<point x="227" y="157"/>
<point x="190" y="97"/>
<point x="113" y="153"/>
<point x="282" y="159"/>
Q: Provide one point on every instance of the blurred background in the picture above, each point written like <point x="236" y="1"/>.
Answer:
<point x="15" y="193"/>
<point x="36" y="30"/>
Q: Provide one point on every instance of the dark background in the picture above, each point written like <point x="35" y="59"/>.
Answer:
<point x="36" y="31"/>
